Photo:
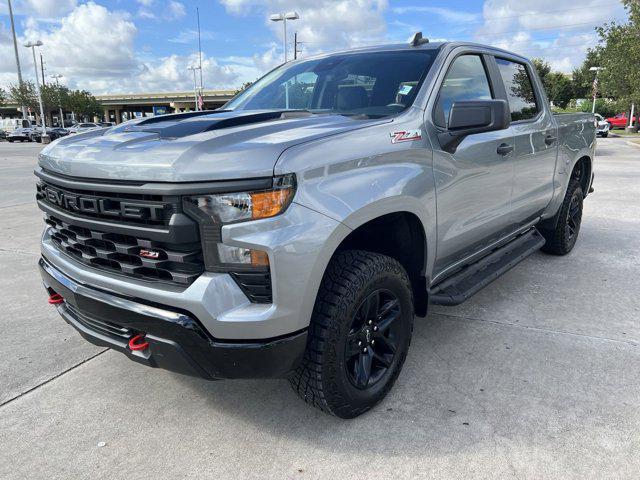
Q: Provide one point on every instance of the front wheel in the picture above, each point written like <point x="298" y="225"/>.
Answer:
<point x="562" y="240"/>
<point x="359" y="334"/>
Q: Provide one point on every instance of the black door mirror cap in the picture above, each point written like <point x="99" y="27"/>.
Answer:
<point x="471" y="117"/>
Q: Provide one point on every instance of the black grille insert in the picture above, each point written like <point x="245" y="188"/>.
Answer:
<point x="255" y="285"/>
<point x="180" y="264"/>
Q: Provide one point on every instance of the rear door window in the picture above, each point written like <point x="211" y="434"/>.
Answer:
<point x="465" y="80"/>
<point x="520" y="93"/>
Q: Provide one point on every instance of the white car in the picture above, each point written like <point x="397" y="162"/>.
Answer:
<point x="83" y="127"/>
<point x="603" y="126"/>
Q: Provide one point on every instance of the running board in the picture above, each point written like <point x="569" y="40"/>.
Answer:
<point x="468" y="281"/>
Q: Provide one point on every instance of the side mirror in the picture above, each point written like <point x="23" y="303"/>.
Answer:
<point x="468" y="118"/>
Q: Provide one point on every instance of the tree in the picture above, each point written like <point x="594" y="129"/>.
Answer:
<point x="620" y="77"/>
<point x="53" y="97"/>
<point x="582" y="78"/>
<point x="557" y="85"/>
<point x="559" y="89"/>
<point x="3" y="97"/>
<point x="544" y="69"/>
<point x="83" y="103"/>
<point x="25" y="94"/>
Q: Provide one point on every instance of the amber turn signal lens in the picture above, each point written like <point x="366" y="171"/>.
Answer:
<point x="259" y="258"/>
<point x="270" y="203"/>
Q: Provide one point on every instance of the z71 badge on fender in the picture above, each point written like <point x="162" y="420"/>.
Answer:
<point x="405" y="135"/>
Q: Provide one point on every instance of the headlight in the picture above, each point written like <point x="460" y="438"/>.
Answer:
<point x="235" y="207"/>
<point x="215" y="210"/>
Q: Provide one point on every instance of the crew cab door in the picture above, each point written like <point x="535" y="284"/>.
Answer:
<point x="474" y="182"/>
<point x="536" y="141"/>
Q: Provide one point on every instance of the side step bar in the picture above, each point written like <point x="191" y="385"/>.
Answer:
<point x="472" y="278"/>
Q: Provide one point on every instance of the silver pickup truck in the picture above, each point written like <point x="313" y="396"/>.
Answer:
<point x="297" y="231"/>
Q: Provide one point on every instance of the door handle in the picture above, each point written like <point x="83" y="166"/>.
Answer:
<point x="504" y="149"/>
<point x="550" y="139"/>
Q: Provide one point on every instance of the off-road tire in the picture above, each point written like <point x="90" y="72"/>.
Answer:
<point x="322" y="379"/>
<point x="560" y="241"/>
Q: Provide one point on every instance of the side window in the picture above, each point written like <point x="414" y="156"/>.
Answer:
<point x="465" y="80"/>
<point x="520" y="93"/>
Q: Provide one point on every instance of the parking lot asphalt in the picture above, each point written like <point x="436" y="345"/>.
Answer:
<point x="537" y="376"/>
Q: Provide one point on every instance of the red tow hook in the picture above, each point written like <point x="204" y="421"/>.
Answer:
<point x="138" y="343"/>
<point x="55" y="299"/>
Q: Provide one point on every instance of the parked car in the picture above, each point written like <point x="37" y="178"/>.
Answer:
<point x="53" y="133"/>
<point x="106" y="124"/>
<point x="296" y="232"/>
<point x="21" y="134"/>
<point x="619" y="121"/>
<point x="83" y="127"/>
<point x="10" y="124"/>
<point x="3" y="135"/>
<point x="603" y="126"/>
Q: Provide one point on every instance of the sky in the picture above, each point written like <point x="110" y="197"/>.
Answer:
<point x="128" y="46"/>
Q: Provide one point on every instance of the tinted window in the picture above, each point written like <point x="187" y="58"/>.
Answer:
<point x="372" y="83"/>
<point x="465" y="80"/>
<point x="522" y="99"/>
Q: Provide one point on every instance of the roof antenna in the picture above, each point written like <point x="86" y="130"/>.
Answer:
<point x="417" y="39"/>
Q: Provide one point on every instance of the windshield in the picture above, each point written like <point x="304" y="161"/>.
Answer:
<point x="375" y="84"/>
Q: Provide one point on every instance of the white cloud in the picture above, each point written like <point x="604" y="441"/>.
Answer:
<point x="169" y="74"/>
<point x="90" y="41"/>
<point x="175" y="10"/>
<point x="323" y="24"/>
<point x="559" y="32"/>
<point x="446" y="14"/>
<point x="190" y="36"/>
<point x="41" y="9"/>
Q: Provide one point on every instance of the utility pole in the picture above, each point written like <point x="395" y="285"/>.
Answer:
<point x="199" y="52"/>
<point x="195" y="85"/>
<point x="296" y="44"/>
<point x="42" y="69"/>
<point x="56" y="77"/>
<point x="15" y="49"/>
<point x="595" y="86"/>
<point x="32" y="46"/>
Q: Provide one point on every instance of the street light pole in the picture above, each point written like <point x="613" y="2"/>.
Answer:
<point x="595" y="86"/>
<point x="195" y="85"/>
<point x="56" y="77"/>
<point x="283" y="17"/>
<point x="15" y="49"/>
<point x="32" y="46"/>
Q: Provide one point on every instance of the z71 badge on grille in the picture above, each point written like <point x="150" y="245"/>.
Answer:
<point x="149" y="253"/>
<point x="405" y="136"/>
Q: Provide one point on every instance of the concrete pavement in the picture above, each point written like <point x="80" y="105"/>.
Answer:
<point x="537" y="376"/>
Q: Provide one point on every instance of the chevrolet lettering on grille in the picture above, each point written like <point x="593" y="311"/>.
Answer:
<point x="101" y="206"/>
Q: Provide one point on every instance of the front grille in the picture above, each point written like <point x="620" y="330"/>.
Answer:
<point x="126" y="208"/>
<point x="180" y="263"/>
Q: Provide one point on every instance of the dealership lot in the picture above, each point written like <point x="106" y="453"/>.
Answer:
<point x="537" y="376"/>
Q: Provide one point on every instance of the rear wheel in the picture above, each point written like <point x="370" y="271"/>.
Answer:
<point x="359" y="334"/>
<point x="562" y="240"/>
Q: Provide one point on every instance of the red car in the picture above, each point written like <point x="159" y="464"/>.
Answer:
<point x="619" y="121"/>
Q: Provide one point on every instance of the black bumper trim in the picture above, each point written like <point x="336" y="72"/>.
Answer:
<point x="177" y="341"/>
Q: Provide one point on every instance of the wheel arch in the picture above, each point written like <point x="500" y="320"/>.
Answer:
<point x="401" y="235"/>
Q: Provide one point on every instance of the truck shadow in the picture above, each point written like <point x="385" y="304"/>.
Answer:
<point x="464" y="383"/>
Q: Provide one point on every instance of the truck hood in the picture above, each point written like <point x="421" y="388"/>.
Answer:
<point x="197" y="146"/>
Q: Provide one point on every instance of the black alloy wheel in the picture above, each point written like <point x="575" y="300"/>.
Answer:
<point x="373" y="339"/>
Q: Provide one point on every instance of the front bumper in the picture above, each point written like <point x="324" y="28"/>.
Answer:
<point x="176" y="339"/>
